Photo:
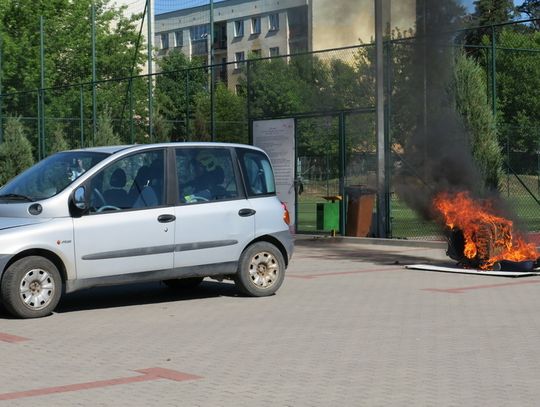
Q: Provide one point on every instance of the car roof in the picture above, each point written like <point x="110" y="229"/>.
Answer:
<point x="135" y="147"/>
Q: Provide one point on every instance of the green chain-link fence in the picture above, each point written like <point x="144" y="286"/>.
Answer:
<point x="193" y="101"/>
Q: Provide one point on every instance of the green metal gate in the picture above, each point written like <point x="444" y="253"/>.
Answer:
<point x="335" y="156"/>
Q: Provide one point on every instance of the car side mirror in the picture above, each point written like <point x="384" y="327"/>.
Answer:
<point x="79" y="199"/>
<point x="79" y="203"/>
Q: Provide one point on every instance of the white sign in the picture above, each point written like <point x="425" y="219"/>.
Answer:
<point x="276" y="137"/>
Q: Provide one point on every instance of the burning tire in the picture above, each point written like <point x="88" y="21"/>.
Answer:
<point x="478" y="237"/>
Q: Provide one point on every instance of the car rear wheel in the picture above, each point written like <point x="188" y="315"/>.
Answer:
<point x="261" y="270"/>
<point x="31" y="287"/>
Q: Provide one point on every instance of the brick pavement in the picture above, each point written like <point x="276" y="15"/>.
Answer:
<point x="349" y="327"/>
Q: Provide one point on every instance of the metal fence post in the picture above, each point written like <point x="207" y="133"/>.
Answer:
<point x="382" y="214"/>
<point x="508" y="166"/>
<point x="39" y="123"/>
<point x="342" y="171"/>
<point x="493" y="71"/>
<point x="1" y="95"/>
<point x="212" y="85"/>
<point x="94" y="102"/>
<point x="150" y="95"/>
<point x="248" y="107"/>
<point x="387" y="127"/>
<point x="187" y="104"/>
<point x="42" y="84"/>
<point x="81" y="119"/>
<point x="131" y="113"/>
<point x="212" y="106"/>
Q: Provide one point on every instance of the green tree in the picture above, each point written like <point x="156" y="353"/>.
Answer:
<point x="57" y="140"/>
<point x="177" y="88"/>
<point x="276" y="88"/>
<point x="161" y="127"/>
<point x="15" y="151"/>
<point x="488" y="12"/>
<point x="67" y="41"/>
<point x="531" y="8"/>
<point x="105" y="135"/>
<point x="230" y="116"/>
<point x="518" y="81"/>
<point x="67" y="29"/>
<point x="469" y="87"/>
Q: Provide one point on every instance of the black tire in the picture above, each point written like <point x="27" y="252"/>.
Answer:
<point x="31" y="287"/>
<point x="261" y="270"/>
<point x="183" y="283"/>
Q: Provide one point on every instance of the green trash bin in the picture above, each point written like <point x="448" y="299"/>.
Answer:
<point x="328" y="216"/>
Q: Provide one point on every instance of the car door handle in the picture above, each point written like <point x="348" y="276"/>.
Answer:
<point x="166" y="218"/>
<point x="246" y="212"/>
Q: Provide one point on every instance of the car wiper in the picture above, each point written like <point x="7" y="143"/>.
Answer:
<point x="17" y="197"/>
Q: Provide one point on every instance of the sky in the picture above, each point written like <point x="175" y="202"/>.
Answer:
<point x="469" y="4"/>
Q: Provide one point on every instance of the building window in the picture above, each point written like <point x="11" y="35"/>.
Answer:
<point x="239" y="28"/>
<point x="164" y="41"/>
<point x="199" y="39"/>
<point x="256" y="25"/>
<point x="273" y="20"/>
<point x="199" y="32"/>
<point x="256" y="53"/>
<point x="238" y="58"/>
<point x="274" y="51"/>
<point x="239" y="89"/>
<point x="178" y="38"/>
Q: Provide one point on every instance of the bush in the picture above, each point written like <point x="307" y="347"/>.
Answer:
<point x="105" y="135"/>
<point x="15" y="151"/>
<point x="472" y="104"/>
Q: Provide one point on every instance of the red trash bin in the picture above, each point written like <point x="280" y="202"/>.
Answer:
<point x="360" y="203"/>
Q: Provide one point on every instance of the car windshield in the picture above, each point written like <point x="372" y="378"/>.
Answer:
<point x="50" y="176"/>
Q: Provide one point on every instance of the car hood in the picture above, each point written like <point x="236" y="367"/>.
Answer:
<point x="8" y="223"/>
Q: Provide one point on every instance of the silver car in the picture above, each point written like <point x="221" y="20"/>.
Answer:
<point x="177" y="212"/>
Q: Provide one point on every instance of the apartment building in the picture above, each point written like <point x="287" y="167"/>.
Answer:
<point x="242" y="28"/>
<point x="264" y="28"/>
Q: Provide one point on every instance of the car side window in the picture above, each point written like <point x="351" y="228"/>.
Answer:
<point x="134" y="182"/>
<point x="205" y="174"/>
<point x="258" y="173"/>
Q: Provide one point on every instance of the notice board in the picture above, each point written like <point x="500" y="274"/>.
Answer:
<point x="276" y="138"/>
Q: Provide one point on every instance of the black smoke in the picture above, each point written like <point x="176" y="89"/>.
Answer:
<point x="436" y="155"/>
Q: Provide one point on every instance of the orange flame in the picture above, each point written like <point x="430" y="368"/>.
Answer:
<point x="477" y="220"/>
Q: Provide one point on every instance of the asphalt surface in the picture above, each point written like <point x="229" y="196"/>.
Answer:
<point x="349" y="327"/>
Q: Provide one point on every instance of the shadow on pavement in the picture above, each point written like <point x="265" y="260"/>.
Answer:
<point x="138" y="294"/>
<point x="403" y="255"/>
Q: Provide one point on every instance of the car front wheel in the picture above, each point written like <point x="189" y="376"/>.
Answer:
<point x="31" y="287"/>
<point x="261" y="270"/>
